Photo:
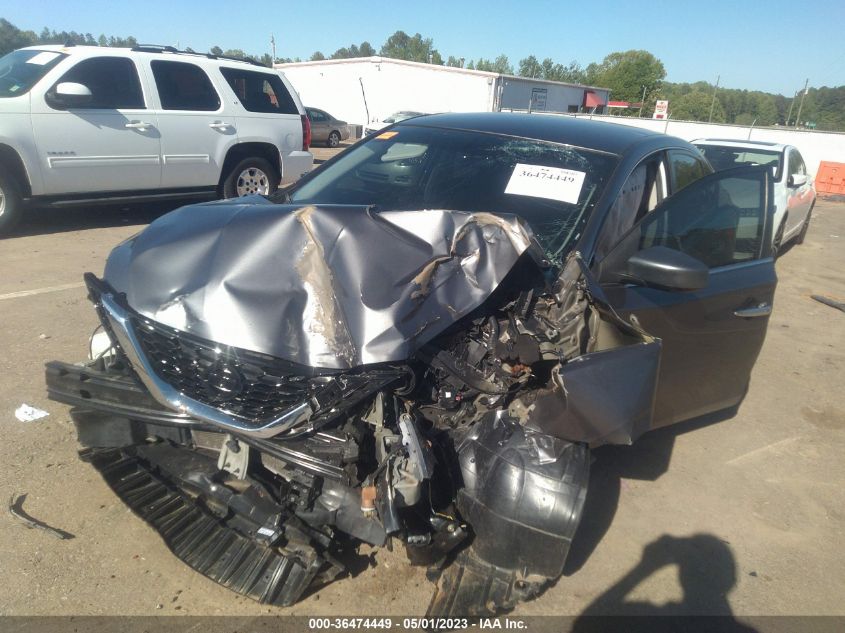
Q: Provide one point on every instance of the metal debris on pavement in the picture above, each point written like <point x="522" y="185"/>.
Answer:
<point x="17" y="511"/>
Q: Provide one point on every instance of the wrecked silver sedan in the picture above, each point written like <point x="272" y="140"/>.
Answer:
<point x="419" y="344"/>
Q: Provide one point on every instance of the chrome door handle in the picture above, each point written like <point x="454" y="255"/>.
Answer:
<point x="760" y="310"/>
<point x="219" y="125"/>
<point x="138" y="125"/>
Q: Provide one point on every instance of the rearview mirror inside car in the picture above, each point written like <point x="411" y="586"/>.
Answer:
<point x="69" y="94"/>
<point x="668" y="269"/>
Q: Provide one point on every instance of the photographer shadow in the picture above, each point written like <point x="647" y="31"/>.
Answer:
<point x="646" y="460"/>
<point x="706" y="572"/>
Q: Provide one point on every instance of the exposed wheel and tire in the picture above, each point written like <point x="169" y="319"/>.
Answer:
<point x="251" y="176"/>
<point x="11" y="203"/>
<point x="334" y="139"/>
<point x="804" y="227"/>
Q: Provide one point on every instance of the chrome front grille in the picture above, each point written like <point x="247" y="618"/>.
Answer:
<point x="242" y="383"/>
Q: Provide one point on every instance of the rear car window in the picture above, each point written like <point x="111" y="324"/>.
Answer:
<point x="184" y="86"/>
<point x="113" y="82"/>
<point x="260" y="92"/>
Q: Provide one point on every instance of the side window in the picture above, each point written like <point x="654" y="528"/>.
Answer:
<point x="183" y="86"/>
<point x="685" y="169"/>
<point x="796" y="163"/>
<point x="260" y="92"/>
<point x="643" y="190"/>
<point x="113" y="82"/>
<point x="318" y="116"/>
<point x="720" y="220"/>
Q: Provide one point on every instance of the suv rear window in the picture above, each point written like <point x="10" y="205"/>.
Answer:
<point x="183" y="86"/>
<point x="260" y="92"/>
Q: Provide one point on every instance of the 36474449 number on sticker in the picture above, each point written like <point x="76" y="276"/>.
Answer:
<point x="553" y="183"/>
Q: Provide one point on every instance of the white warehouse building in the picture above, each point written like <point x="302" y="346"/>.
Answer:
<point x="366" y="89"/>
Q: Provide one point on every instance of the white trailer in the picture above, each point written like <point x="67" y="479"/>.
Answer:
<point x="366" y="89"/>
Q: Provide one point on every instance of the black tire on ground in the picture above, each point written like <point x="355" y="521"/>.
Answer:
<point x="249" y="176"/>
<point x="334" y="139"/>
<point x="11" y="203"/>
<point x="777" y="243"/>
<point x="804" y="227"/>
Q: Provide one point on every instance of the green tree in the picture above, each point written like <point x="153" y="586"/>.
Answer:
<point x="317" y="56"/>
<point x="627" y="74"/>
<point x="454" y="62"/>
<point x="530" y="67"/>
<point x="11" y="37"/>
<point x="415" y="48"/>
<point x="502" y="65"/>
<point x="695" y="106"/>
<point x="215" y="50"/>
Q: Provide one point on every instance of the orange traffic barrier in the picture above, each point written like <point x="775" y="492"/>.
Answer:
<point x="831" y="178"/>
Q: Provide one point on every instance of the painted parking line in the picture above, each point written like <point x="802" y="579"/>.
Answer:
<point x="41" y="291"/>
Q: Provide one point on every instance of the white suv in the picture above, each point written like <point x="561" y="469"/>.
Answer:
<point x="80" y="124"/>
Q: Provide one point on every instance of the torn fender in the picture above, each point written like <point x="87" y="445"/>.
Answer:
<point x="599" y="397"/>
<point x="332" y="287"/>
<point x="605" y="397"/>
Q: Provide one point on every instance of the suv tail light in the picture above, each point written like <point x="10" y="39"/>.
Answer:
<point x="306" y="132"/>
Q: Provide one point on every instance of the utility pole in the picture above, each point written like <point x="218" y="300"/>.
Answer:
<point x="713" y="100"/>
<point x="801" y="103"/>
<point x="791" y="104"/>
<point x="642" y="103"/>
<point x="273" y="49"/>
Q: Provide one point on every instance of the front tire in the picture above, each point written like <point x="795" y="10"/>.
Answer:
<point x="11" y="203"/>
<point x="804" y="227"/>
<point x="777" y="243"/>
<point x="251" y="176"/>
<point x="334" y="139"/>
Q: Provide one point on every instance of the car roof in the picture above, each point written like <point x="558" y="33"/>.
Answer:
<point x="607" y="137"/>
<point x="83" y="50"/>
<point x="732" y="142"/>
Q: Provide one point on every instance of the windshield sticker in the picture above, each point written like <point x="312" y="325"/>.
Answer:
<point x="42" y="58"/>
<point x="546" y="182"/>
<point x="386" y="135"/>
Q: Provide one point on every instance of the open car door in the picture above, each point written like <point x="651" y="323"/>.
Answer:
<point x="697" y="272"/>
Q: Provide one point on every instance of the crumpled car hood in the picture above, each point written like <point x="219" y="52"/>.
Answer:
<point x="329" y="287"/>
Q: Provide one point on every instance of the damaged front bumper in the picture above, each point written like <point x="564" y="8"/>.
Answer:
<point x="264" y="474"/>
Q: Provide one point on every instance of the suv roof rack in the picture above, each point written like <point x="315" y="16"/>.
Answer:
<point x="159" y="48"/>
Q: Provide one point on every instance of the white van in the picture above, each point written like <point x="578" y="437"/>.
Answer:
<point x="84" y="124"/>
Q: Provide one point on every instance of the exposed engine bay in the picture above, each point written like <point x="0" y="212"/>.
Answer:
<point x="267" y="412"/>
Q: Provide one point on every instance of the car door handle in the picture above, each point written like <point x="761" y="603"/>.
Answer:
<point x="760" y="310"/>
<point x="219" y="125"/>
<point x="138" y="125"/>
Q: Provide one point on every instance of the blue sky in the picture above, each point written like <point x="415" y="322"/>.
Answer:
<point x="771" y="45"/>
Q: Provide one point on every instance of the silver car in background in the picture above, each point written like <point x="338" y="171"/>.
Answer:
<point x="325" y="129"/>
<point x="795" y="193"/>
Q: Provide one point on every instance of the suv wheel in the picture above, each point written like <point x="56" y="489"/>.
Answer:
<point x="251" y="176"/>
<point x="334" y="139"/>
<point x="11" y="204"/>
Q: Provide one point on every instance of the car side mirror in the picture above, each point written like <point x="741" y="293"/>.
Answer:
<point x="668" y="269"/>
<point x="69" y="94"/>
<point x="797" y="180"/>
